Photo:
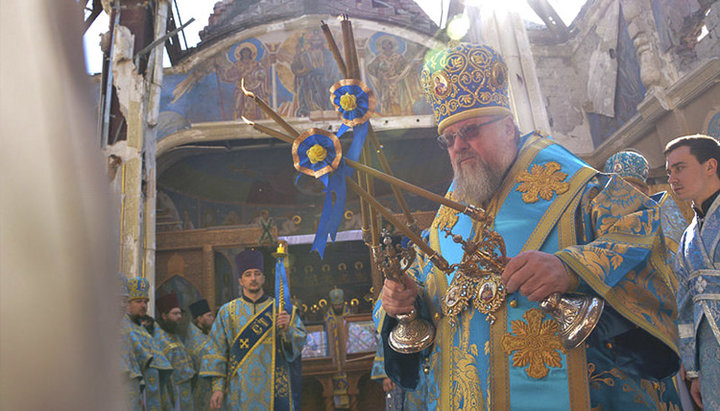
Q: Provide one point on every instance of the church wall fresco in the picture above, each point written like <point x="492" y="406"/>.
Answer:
<point x="293" y="71"/>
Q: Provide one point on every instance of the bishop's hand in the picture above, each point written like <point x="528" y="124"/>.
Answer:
<point x="535" y="275"/>
<point x="399" y="298"/>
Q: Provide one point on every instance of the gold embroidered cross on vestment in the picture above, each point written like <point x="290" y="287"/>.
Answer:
<point x="542" y="182"/>
<point x="536" y="343"/>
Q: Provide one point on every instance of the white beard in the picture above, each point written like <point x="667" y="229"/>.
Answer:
<point x="477" y="181"/>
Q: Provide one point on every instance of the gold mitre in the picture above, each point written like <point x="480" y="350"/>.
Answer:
<point x="138" y="288"/>
<point x="465" y="81"/>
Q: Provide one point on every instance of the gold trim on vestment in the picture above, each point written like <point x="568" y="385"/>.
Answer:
<point x="556" y="209"/>
<point x="542" y="181"/>
<point x="444" y="332"/>
<point x="499" y="372"/>
<point x="500" y="397"/>
<point x="578" y="383"/>
<point x="499" y="367"/>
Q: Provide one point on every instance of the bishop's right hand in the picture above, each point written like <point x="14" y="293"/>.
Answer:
<point x="399" y="298"/>
<point x="216" y="401"/>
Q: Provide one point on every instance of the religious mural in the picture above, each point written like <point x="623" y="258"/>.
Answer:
<point x="713" y="126"/>
<point x="307" y="68"/>
<point x="394" y="75"/>
<point x="293" y="72"/>
<point x="251" y="65"/>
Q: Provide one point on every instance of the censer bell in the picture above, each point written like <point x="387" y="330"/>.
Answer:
<point x="577" y="315"/>
<point x="411" y="334"/>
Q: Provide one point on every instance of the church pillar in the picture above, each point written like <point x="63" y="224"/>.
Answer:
<point x="137" y="82"/>
<point x="154" y="90"/>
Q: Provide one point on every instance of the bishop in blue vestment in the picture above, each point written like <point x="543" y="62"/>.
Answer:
<point x="566" y="228"/>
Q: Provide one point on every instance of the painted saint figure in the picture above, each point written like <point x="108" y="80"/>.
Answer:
<point x="394" y="81"/>
<point x="314" y="69"/>
<point x="246" y="66"/>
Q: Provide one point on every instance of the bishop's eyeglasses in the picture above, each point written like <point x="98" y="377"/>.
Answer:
<point x="467" y="133"/>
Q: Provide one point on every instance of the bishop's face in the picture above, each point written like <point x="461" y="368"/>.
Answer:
<point x="481" y="150"/>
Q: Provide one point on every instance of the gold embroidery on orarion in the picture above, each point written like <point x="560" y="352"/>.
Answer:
<point x="536" y="344"/>
<point x="447" y="217"/>
<point x="542" y="182"/>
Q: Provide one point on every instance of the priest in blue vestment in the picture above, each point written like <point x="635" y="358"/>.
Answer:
<point x="566" y="228"/>
<point x="693" y="167"/>
<point x="197" y="342"/>
<point x="251" y="344"/>
<point x="167" y="338"/>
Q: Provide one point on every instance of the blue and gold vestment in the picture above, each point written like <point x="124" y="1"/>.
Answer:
<point x="154" y="366"/>
<point x="179" y="392"/>
<point x="698" y="297"/>
<point x="132" y="373"/>
<point x="197" y="344"/>
<point x="604" y="231"/>
<point x="261" y="379"/>
<point x="673" y="225"/>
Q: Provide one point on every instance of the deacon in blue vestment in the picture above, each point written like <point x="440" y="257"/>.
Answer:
<point x="167" y="339"/>
<point x="154" y="366"/>
<point x="197" y="342"/>
<point x="566" y="227"/>
<point x="692" y="164"/>
<point x="251" y="346"/>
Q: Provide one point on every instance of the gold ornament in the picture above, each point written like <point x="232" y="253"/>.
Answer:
<point x="478" y="277"/>
<point x="536" y="344"/>
<point x="316" y="153"/>
<point x="542" y="182"/>
<point x="447" y="217"/>
<point x="348" y="102"/>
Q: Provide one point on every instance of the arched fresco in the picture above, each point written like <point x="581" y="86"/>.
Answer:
<point x="293" y="70"/>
